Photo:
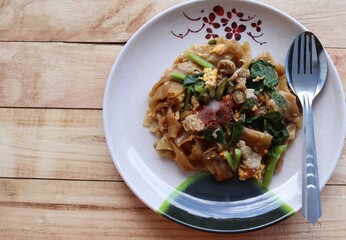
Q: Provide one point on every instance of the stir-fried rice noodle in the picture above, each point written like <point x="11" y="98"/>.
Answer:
<point x="230" y="106"/>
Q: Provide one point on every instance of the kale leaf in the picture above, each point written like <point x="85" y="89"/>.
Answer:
<point x="271" y="122"/>
<point x="194" y="87"/>
<point x="248" y="105"/>
<point x="278" y="99"/>
<point x="265" y="70"/>
<point x="192" y="79"/>
<point x="274" y="124"/>
<point x="209" y="135"/>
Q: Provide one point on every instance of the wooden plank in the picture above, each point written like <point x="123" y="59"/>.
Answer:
<point x="66" y="144"/>
<point x="50" y="143"/>
<point x="325" y="18"/>
<point x="75" y="75"/>
<point x="54" y="74"/>
<point x="77" y="21"/>
<point x="111" y="21"/>
<point x="339" y="58"/>
<point x="339" y="175"/>
<point x="36" y="209"/>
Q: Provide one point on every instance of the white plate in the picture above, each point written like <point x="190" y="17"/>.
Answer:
<point x="196" y="200"/>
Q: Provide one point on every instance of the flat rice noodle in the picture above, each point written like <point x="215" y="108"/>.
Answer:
<point x="266" y="56"/>
<point x="197" y="151"/>
<point x="181" y="158"/>
<point x="154" y="127"/>
<point x="167" y="92"/>
<point x="167" y="148"/>
<point x="148" y="120"/>
<point x="183" y="138"/>
<point x="151" y="122"/>
<point x="282" y="86"/>
<point x="201" y="50"/>
<point x="163" y="144"/>
<point x="219" y="169"/>
<point x="161" y="122"/>
<point x="166" y="154"/>
<point x="164" y="78"/>
<point x="280" y="69"/>
<point x="291" y="128"/>
<point x="174" y="127"/>
<point x="222" y="170"/>
<point x="256" y="140"/>
<point x="184" y="65"/>
<point x="292" y="113"/>
<point x="232" y="50"/>
<point x="159" y="106"/>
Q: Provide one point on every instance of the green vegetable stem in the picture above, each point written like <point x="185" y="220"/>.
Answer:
<point x="221" y="89"/>
<point x="180" y="77"/>
<point x="274" y="156"/>
<point x="237" y="130"/>
<point x="199" y="60"/>
<point x="233" y="162"/>
<point x="187" y="99"/>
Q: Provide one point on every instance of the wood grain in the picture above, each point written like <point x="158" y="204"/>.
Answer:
<point x="74" y="75"/>
<point x="54" y="74"/>
<point x="57" y="179"/>
<point x="65" y="144"/>
<point x="76" y="21"/>
<point x="41" y="209"/>
<point x="56" y="144"/>
<point x="116" y="21"/>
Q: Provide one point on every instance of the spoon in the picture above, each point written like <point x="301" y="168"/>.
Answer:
<point x="306" y="71"/>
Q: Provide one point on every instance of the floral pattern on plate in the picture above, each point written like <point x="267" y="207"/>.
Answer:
<point x="229" y="23"/>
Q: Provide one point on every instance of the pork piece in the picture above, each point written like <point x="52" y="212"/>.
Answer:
<point x="239" y="77"/>
<point x="226" y="67"/>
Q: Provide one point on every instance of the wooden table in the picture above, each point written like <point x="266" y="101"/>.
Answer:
<point x="57" y="180"/>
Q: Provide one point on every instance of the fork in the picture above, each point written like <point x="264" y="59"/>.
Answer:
<point x="306" y="71"/>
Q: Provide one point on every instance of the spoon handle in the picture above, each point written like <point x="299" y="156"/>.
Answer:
<point x="311" y="208"/>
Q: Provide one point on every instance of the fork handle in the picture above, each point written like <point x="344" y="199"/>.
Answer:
<point x="311" y="208"/>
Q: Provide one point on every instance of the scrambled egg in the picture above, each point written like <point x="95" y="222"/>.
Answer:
<point x="210" y="77"/>
<point x="244" y="172"/>
<point x="217" y="49"/>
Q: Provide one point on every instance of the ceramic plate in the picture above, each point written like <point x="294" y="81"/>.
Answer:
<point x="195" y="199"/>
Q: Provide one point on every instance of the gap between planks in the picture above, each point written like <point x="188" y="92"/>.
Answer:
<point x="108" y="181"/>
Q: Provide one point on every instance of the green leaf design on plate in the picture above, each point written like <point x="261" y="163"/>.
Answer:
<point x="230" y="206"/>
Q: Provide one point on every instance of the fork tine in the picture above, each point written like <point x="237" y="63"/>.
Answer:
<point x="308" y="38"/>
<point x="314" y="56"/>
<point x="302" y="54"/>
<point x="295" y="57"/>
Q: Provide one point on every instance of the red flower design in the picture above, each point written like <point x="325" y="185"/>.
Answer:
<point x="219" y="10"/>
<point x="235" y="31"/>
<point x="239" y="14"/>
<point x="257" y="25"/>
<point x="233" y="22"/>
<point x="226" y="20"/>
<point x="210" y="34"/>
<point x="210" y="20"/>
